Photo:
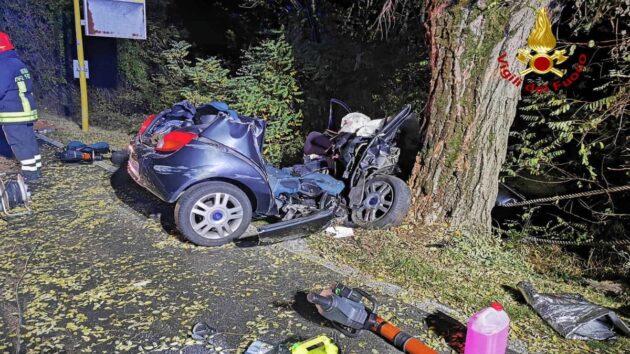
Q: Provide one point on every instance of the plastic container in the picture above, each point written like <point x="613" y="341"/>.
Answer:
<point x="317" y="345"/>
<point x="487" y="331"/>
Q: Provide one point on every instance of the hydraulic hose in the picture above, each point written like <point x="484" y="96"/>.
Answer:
<point x="401" y="340"/>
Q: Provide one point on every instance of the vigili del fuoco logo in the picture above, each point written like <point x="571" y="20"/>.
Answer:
<point x="541" y="58"/>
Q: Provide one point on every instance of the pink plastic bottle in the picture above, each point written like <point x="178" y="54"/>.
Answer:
<point x="487" y="331"/>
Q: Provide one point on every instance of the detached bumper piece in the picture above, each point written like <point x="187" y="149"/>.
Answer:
<point x="296" y="228"/>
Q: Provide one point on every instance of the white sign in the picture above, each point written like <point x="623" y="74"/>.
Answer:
<point x="75" y="68"/>
<point x="115" y="18"/>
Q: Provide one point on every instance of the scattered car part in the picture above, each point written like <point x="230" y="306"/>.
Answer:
<point x="185" y="147"/>
<point x="318" y="345"/>
<point x="202" y="331"/>
<point x="340" y="231"/>
<point x="14" y="194"/>
<point x="119" y="157"/>
<point x="344" y="307"/>
<point x="295" y="228"/>
<point x="573" y="316"/>
<point x="259" y="347"/>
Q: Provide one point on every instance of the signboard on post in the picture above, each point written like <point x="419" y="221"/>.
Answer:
<point x="77" y="70"/>
<point x="115" y="18"/>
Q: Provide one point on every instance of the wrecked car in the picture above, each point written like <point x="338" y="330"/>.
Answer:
<point x="208" y="160"/>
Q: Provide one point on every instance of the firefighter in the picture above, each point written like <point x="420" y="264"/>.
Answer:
<point x="18" y="111"/>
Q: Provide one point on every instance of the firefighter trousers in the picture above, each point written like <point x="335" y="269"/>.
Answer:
<point x="23" y="142"/>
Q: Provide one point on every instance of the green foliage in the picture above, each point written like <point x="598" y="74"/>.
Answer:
<point x="143" y="79"/>
<point x="557" y="125"/>
<point x="405" y="87"/>
<point x="134" y="71"/>
<point x="200" y="83"/>
<point x="577" y="139"/>
<point x="37" y="33"/>
<point x="264" y="86"/>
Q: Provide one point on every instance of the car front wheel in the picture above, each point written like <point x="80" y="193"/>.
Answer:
<point x="385" y="203"/>
<point x="213" y="213"/>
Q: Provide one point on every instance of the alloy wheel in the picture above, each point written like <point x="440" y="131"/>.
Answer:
<point x="216" y="216"/>
<point x="378" y="200"/>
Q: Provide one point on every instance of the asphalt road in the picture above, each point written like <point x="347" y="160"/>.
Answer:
<point x="99" y="267"/>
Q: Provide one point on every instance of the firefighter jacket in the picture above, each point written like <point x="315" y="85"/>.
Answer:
<point x="17" y="103"/>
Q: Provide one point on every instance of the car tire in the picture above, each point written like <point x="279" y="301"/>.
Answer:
<point x="385" y="204"/>
<point x="213" y="213"/>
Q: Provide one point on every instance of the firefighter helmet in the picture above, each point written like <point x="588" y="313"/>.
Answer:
<point x="5" y="42"/>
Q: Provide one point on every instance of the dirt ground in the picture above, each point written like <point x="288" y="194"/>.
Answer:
<point x="98" y="267"/>
<point x="8" y="164"/>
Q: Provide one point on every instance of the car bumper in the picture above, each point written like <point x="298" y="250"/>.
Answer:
<point x="141" y="168"/>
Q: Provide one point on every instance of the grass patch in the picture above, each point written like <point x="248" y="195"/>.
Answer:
<point x="67" y="130"/>
<point x="469" y="273"/>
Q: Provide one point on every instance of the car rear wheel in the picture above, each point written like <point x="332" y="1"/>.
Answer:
<point x="213" y="213"/>
<point x="386" y="202"/>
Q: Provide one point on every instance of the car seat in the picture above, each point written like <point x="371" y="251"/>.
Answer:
<point x="317" y="144"/>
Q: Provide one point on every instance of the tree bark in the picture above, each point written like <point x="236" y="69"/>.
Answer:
<point x="470" y="108"/>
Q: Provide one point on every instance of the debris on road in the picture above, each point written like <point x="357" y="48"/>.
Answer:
<point x="259" y="347"/>
<point x="340" y="231"/>
<point x="204" y="332"/>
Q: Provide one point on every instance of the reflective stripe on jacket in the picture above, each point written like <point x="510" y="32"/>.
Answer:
<point x="17" y="103"/>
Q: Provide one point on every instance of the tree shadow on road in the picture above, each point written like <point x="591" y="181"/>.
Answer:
<point x="142" y="201"/>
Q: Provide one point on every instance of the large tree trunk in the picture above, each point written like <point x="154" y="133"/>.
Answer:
<point x="470" y="108"/>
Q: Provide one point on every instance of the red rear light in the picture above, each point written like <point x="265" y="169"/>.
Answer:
<point x="146" y="124"/>
<point x="174" y="141"/>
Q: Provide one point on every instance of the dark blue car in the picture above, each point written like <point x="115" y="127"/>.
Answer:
<point x="208" y="160"/>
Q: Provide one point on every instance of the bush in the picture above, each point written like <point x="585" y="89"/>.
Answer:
<point x="265" y="86"/>
<point x="576" y="139"/>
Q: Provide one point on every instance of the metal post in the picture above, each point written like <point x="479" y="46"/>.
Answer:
<point x="81" y="58"/>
